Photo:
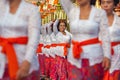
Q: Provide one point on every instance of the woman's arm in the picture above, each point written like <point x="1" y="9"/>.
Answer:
<point x="67" y="5"/>
<point x="34" y="24"/>
<point x="33" y="41"/>
<point x="105" y="36"/>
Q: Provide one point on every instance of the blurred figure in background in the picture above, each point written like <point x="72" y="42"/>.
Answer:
<point x="19" y="37"/>
<point x="41" y="55"/>
<point x="114" y="28"/>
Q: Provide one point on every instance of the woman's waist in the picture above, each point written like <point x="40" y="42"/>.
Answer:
<point x="115" y="39"/>
<point x="32" y="68"/>
<point x="93" y="58"/>
<point x="81" y="38"/>
<point x="85" y="42"/>
<point x="13" y="35"/>
<point x="89" y="50"/>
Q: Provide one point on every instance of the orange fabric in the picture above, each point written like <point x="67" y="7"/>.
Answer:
<point x="66" y="46"/>
<point x="77" y="46"/>
<point x="53" y="45"/>
<point x="49" y="6"/>
<point x="113" y="76"/>
<point x="8" y="50"/>
<point x="39" y="49"/>
<point x="113" y="44"/>
<point x="47" y="46"/>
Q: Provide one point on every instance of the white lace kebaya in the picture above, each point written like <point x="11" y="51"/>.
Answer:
<point x="62" y="39"/>
<point x="90" y="28"/>
<point x="115" y="37"/>
<point x="25" y="22"/>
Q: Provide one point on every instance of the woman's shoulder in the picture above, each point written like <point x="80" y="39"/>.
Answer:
<point x="99" y="14"/>
<point x="59" y="33"/>
<point x="99" y="10"/>
<point x="29" y="6"/>
<point x="117" y="19"/>
<point x="74" y="9"/>
<point x="2" y="3"/>
<point x="68" y="33"/>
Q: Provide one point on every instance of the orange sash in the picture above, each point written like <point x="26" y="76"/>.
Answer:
<point x="47" y="46"/>
<point x="8" y="49"/>
<point x="39" y="49"/>
<point x="113" y="44"/>
<point x="66" y="46"/>
<point x="53" y="45"/>
<point x="77" y="46"/>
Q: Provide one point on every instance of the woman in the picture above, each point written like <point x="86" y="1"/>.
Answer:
<point x="41" y="55"/>
<point x="114" y="28"/>
<point x="87" y="57"/>
<point x="46" y="50"/>
<point x="63" y="43"/>
<point x="53" y="51"/>
<point x="19" y="37"/>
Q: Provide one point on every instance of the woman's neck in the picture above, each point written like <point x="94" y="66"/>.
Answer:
<point x="110" y="17"/>
<point x="86" y="6"/>
<point x="110" y="14"/>
<point x="14" y="1"/>
<point x="63" y="32"/>
<point x="13" y="5"/>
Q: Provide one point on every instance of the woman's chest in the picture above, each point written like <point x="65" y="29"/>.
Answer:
<point x="84" y="26"/>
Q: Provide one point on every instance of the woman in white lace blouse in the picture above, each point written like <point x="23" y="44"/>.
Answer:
<point x="63" y="38"/>
<point x="114" y="28"/>
<point x="87" y="57"/>
<point x="19" y="37"/>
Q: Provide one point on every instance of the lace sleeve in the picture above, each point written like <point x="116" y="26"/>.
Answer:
<point x="118" y="50"/>
<point x="104" y="34"/>
<point x="67" y="5"/>
<point x="55" y="30"/>
<point x="34" y="24"/>
<point x="49" y="28"/>
<point x="117" y="23"/>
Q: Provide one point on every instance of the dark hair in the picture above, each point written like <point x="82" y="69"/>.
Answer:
<point x="61" y="21"/>
<point x="115" y="2"/>
<point x="92" y="2"/>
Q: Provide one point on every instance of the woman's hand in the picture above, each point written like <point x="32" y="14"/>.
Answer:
<point x="106" y="63"/>
<point x="23" y="71"/>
